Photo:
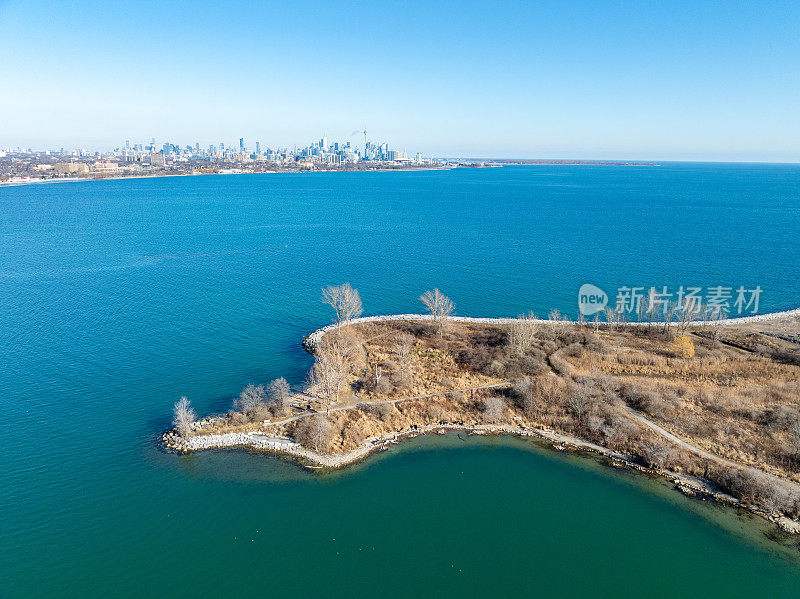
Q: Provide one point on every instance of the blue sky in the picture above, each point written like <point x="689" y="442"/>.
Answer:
<point x="639" y="80"/>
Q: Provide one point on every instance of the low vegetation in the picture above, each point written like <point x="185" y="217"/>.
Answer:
<point x="733" y="393"/>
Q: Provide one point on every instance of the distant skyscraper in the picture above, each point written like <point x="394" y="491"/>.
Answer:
<point x="127" y="144"/>
<point x="323" y="143"/>
<point x="258" y="147"/>
<point x="241" y="145"/>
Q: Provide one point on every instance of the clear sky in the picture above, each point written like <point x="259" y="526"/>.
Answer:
<point x="639" y="80"/>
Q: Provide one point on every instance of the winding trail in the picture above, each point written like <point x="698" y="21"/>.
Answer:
<point x="661" y="431"/>
<point x="310" y="343"/>
<point x="706" y="454"/>
<point x="381" y="401"/>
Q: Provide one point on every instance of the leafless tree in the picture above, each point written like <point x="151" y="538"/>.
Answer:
<point x="439" y="306"/>
<point x="525" y="390"/>
<point x="493" y="408"/>
<point x="579" y="402"/>
<point x="314" y="432"/>
<point x="670" y="312"/>
<point x="278" y="392"/>
<point x="383" y="410"/>
<point x="402" y="349"/>
<point x="794" y="438"/>
<point x="345" y="301"/>
<point x="655" y="454"/>
<point x="335" y="358"/>
<point x="714" y="320"/>
<point x="612" y="318"/>
<point x="184" y="416"/>
<point x="522" y="331"/>
<point x="684" y="314"/>
<point x="250" y="400"/>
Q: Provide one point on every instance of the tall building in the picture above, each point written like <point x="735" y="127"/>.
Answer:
<point x="241" y="145"/>
<point x="258" y="148"/>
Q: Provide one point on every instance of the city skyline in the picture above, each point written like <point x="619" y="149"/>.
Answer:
<point x="684" y="81"/>
<point x="242" y="144"/>
<point x="152" y="158"/>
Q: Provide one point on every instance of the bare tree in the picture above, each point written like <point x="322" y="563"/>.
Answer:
<point x="579" y="402"/>
<point x="684" y="314"/>
<point x="670" y="312"/>
<point x="402" y="349"/>
<point x="314" y="432"/>
<point x="655" y="454"/>
<point x="714" y="320"/>
<point x="336" y="355"/>
<point x="794" y="438"/>
<point x="493" y="408"/>
<point x="250" y="400"/>
<point x="278" y="392"/>
<point x="345" y="301"/>
<point x="522" y="331"/>
<point x="612" y="318"/>
<point x="525" y="391"/>
<point x="184" y="416"/>
<point x="439" y="306"/>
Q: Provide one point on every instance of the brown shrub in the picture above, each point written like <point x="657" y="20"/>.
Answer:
<point x="383" y="410"/>
<point x="655" y="453"/>
<point x="315" y="432"/>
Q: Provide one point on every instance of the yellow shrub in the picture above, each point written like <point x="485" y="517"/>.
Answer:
<point x="683" y="347"/>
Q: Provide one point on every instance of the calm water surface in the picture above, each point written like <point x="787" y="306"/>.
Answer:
<point x="118" y="297"/>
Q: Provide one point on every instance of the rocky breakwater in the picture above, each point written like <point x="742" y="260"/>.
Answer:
<point x="310" y="343"/>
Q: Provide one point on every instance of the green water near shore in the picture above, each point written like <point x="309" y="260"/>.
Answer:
<point x="474" y="516"/>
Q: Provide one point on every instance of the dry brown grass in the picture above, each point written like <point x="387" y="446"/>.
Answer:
<point x="738" y="396"/>
<point x="734" y="398"/>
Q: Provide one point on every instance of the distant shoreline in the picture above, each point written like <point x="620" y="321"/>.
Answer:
<point x="467" y="163"/>
<point x="176" y="175"/>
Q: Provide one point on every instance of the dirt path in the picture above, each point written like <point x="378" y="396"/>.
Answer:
<point x="703" y="453"/>
<point x="381" y="401"/>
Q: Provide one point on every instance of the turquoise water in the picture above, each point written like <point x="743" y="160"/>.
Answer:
<point x="118" y="297"/>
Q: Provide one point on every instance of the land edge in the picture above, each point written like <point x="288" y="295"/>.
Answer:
<point x="311" y="341"/>
<point x="268" y="172"/>
<point x="688" y="485"/>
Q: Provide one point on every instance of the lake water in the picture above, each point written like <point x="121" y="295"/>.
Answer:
<point x="118" y="297"/>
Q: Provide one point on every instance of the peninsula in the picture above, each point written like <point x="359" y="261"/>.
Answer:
<point x="711" y="404"/>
